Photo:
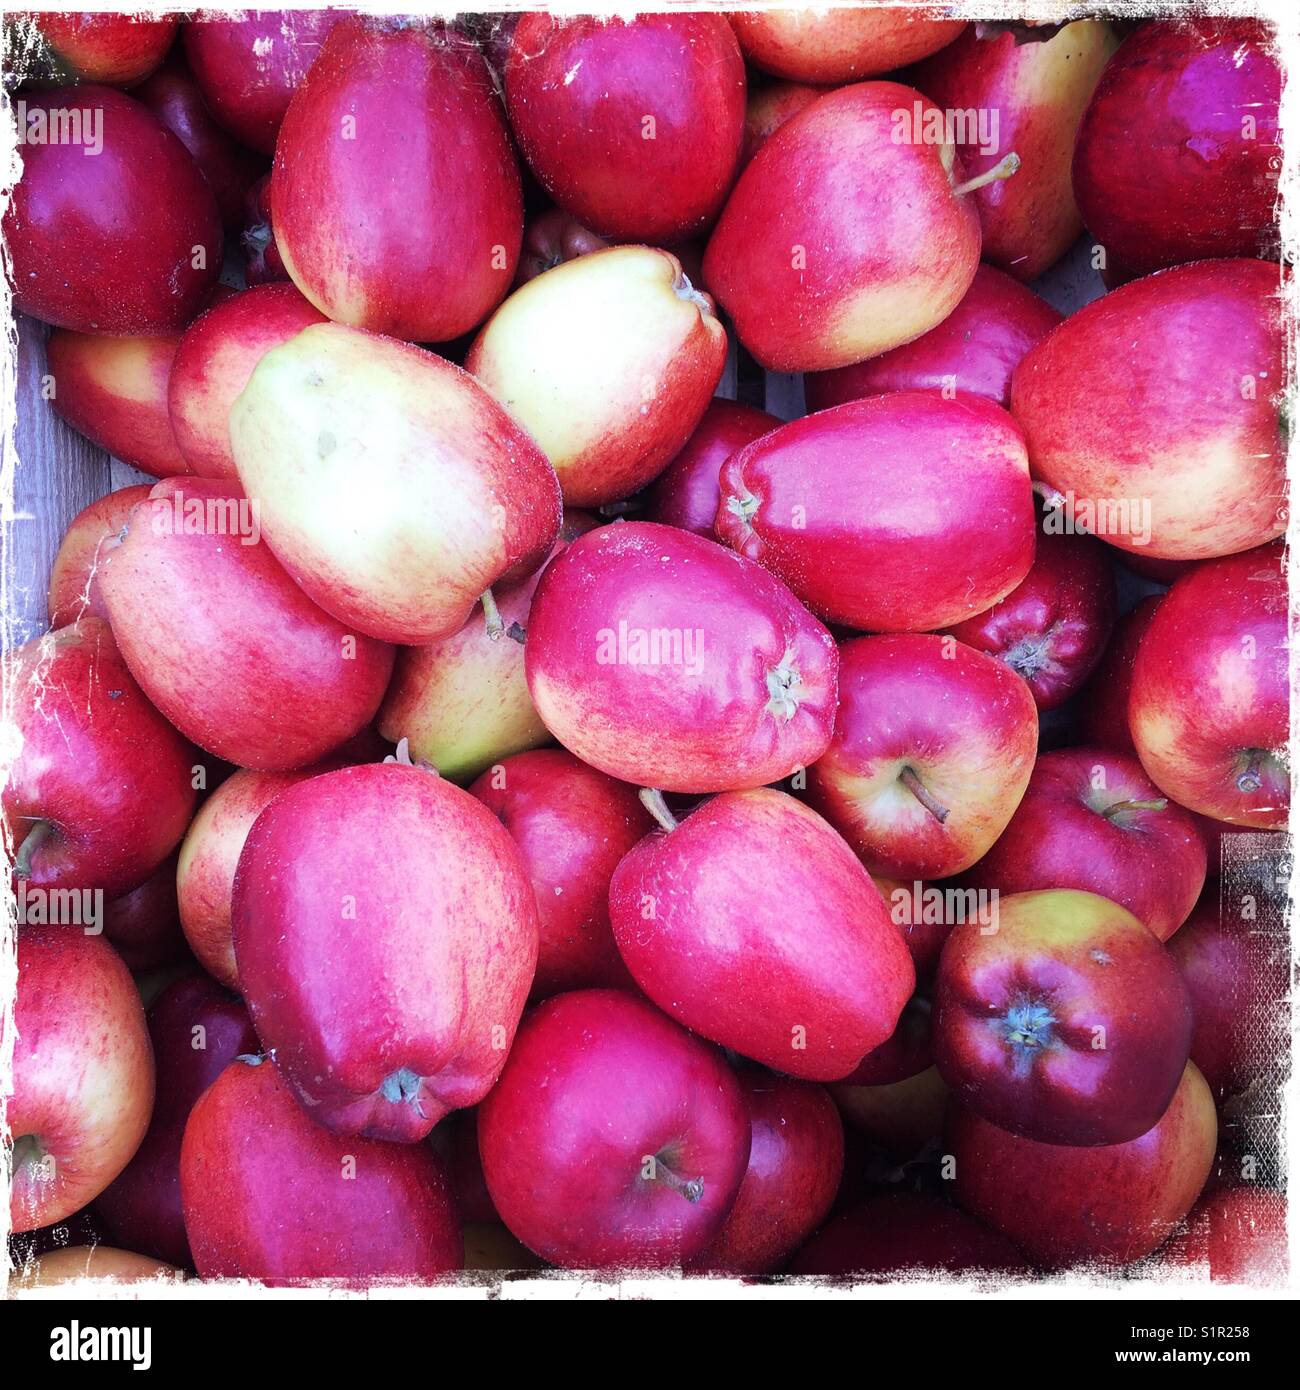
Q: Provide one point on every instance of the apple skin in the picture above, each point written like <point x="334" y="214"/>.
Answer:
<point x="74" y="575"/>
<point x="81" y="1089"/>
<point x="262" y="263"/>
<point x="1209" y="703"/>
<point x="109" y="244"/>
<point x="924" y="930"/>
<point x="73" y="1263"/>
<point x="1018" y="1013"/>
<point x="959" y="721"/>
<point x="686" y="493"/>
<point x="401" y="1007"/>
<point x="269" y="1195"/>
<point x="212" y="365"/>
<point x="901" y="1118"/>
<point x="1196" y="186"/>
<point x="196" y="1028"/>
<point x="581" y="92"/>
<point x="144" y="925"/>
<point x="905" y="1053"/>
<point x="791" y="959"/>
<point x="1103" y="702"/>
<point x="551" y="238"/>
<point x="599" y="1090"/>
<point x="839" y="45"/>
<point x="93" y="761"/>
<point x="1236" y="1235"/>
<point x="1139" y="397"/>
<point x="883" y="254"/>
<point x="1039" y="90"/>
<point x="116" y="49"/>
<point x="941" y="534"/>
<point x="751" y="700"/>
<point x="391" y="486"/>
<point x="572" y="826"/>
<point x="609" y="362"/>
<point x="768" y="107"/>
<point x="1067" y="1206"/>
<point x="432" y="264"/>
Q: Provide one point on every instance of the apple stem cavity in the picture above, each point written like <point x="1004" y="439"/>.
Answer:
<point x="1118" y="808"/>
<point x="690" y="1188"/>
<point x="28" y="1151"/>
<point x="908" y="777"/>
<point x="1003" y="169"/>
<point x="653" y="800"/>
<point x="785" y="689"/>
<point x="34" y="839"/>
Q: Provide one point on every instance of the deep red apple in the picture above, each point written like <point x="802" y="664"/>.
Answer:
<point x="118" y="49"/>
<point x="900" y="513"/>
<point x="74" y="575"/>
<point x="262" y="263"/>
<point x="662" y="658"/>
<point x="905" y="1053"/>
<point x="270" y="1195"/>
<point x="768" y="107"/>
<point x="551" y="238"/>
<point x="455" y="1139"/>
<point x="1237" y="1235"/>
<point x="919" y="911"/>
<point x="1067" y="1024"/>
<point x="839" y="45"/>
<point x="144" y="925"/>
<point x="1103" y="702"/>
<point x="614" y="1138"/>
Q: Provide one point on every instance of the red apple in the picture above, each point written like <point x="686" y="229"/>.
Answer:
<point x="659" y="657"/>
<point x="1111" y="1204"/>
<point x="253" y="672"/>
<point x="942" y="532"/>
<point x="269" y="1195"/>
<point x="74" y="575"/>
<point x="1237" y="1235"/>
<point x="551" y="238"/>
<point x="905" y="1053"/>
<point x="112" y="227"/>
<point x="1202" y="180"/>
<point x="118" y="49"/>
<point x="1158" y="571"/>
<point x="1209" y="705"/>
<point x="262" y="263"/>
<point x="144" y="925"/>
<point x="768" y="107"/>
<point x="919" y="911"/>
<point x="1103" y="703"/>
<point x="81" y="1086"/>
<point x="428" y="264"/>
<point x="839" y="45"/>
<point x="613" y="1138"/>
<point x="455" y="1140"/>
<point x="1154" y="412"/>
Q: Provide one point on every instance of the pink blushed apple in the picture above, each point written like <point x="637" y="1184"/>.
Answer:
<point x="840" y="45"/>
<point x="74" y="575"/>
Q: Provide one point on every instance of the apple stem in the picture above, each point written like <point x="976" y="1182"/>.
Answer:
<point x="653" y="800"/>
<point x="914" y="785"/>
<point x="496" y="627"/>
<point x="1117" y="808"/>
<point x="1003" y="169"/>
<point x="34" y="839"/>
<point x="1250" y="780"/>
<point x="1052" y="499"/>
<point x="690" y="1188"/>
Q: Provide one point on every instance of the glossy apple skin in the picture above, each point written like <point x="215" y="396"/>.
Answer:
<point x="144" y="925"/>
<point x="942" y="533"/>
<point x="572" y="826"/>
<point x="74" y="576"/>
<point x="402" y="1007"/>
<point x="1139" y="397"/>
<point x="1065" y="1205"/>
<point x="963" y="723"/>
<point x="107" y="244"/>
<point x="94" y="760"/>
<point x="392" y="487"/>
<point x="751" y="698"/>
<point x="973" y="352"/>
<point x="82" y="1082"/>
<point x="1039" y="90"/>
<point x="432" y="264"/>
<point x="686" y="493"/>
<point x="599" y="1089"/>
<point x="790" y="959"/>
<point x="1019" y="1012"/>
<point x="1194" y="186"/>
<point x="1236" y="1235"/>
<point x="117" y="49"/>
<point x="905" y="1053"/>
<point x="1066" y="834"/>
<point x="768" y="107"/>
<point x="1103" y="712"/>
<point x="255" y="673"/>
<point x="581" y="92"/>
<point x="212" y="365"/>
<point x="551" y="238"/>
<point x="272" y="1196"/>
<point x="882" y="254"/>
<point x="609" y="362"/>
<point x="74" y="1263"/>
<point x="261" y="255"/>
<point x="196" y="1028"/>
<point x="1209" y="706"/>
<point x="839" y="45"/>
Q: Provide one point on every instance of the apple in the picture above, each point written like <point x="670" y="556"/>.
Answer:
<point x="118" y="49"/>
<point x="920" y="912"/>
<point x="839" y="45"/>
<point x="1209" y="703"/>
<point x="455" y="1140"/>
<point x="788" y="958"/>
<point x="126" y="241"/>
<point x="660" y="657"/>
<point x="262" y="263"/>
<point x="614" y="1138"/>
<point x="427" y="264"/>
<point x="99" y="786"/>
<point x="901" y="1118"/>
<point x="81" y="1086"/>
<point x="1091" y="819"/>
<point x="609" y="362"/>
<point x="74" y="1263"/>
<point x="551" y="238"/>
<point x="905" y="1053"/>
<point x="390" y="485"/>
<point x="74" y="575"/>
<point x="768" y="107"/>
<point x="387" y="973"/>
<point x="144" y="925"/>
<point x="1237" y="1235"/>
<point x="1154" y="412"/>
<point x="686" y="493"/>
<point x="269" y="1195"/>
<point x="1202" y="180"/>
<point x="1111" y="1204"/>
<point x="1103" y="702"/>
<point x="941" y="533"/>
<point x="212" y="365"/>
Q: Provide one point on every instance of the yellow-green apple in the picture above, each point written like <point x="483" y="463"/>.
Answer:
<point x="840" y="45"/>
<point x="1154" y="412"/>
<point x="80" y="1091"/>
<point x="609" y="362"/>
<point x="899" y="513"/>
<point x="1103" y="702"/>
<point x="768" y="107"/>
<point x="1209" y="707"/>
<point x="663" y="658"/>
<point x="1236" y="1235"/>
<point x="74" y="575"/>
<point x="901" y="1117"/>
<point x="551" y="238"/>
<point x="614" y="1138"/>
<point x="391" y="485"/>
<point x="73" y="1263"/>
<point x="118" y="49"/>
<point x="932" y="750"/>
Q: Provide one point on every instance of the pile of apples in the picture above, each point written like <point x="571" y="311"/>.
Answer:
<point x="557" y="817"/>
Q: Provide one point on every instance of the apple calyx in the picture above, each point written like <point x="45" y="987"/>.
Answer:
<point x="785" y="689"/>
<point x="402" y="1087"/>
<point x="653" y="800"/>
<point x="744" y="506"/>
<point x="911" y="780"/>
<point x="401" y="755"/>
<point x="1026" y="1028"/>
<point x="1030" y="656"/>
<point x="32" y="841"/>
<point x="1003" y="169"/>
<point x="690" y="1188"/>
<point x="1119" y="808"/>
